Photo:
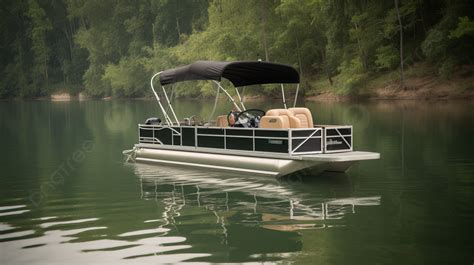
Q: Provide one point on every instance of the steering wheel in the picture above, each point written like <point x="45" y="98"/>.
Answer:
<point x="195" y="120"/>
<point x="247" y="118"/>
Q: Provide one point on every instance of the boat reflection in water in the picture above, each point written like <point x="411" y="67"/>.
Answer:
<point x="245" y="217"/>
<point x="176" y="215"/>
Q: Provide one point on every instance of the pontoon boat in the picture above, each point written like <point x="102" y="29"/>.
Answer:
<point x="274" y="142"/>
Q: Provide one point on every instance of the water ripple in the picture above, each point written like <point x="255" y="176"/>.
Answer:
<point x="144" y="232"/>
<point x="46" y="225"/>
<point x="13" y="212"/>
<point x="5" y="208"/>
<point x="5" y="227"/>
<point x="16" y="234"/>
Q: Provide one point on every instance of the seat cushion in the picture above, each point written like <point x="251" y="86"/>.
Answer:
<point x="279" y="112"/>
<point x="304" y="115"/>
<point x="287" y="116"/>
<point x="275" y="122"/>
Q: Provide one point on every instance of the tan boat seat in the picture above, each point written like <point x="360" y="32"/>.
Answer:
<point x="304" y="116"/>
<point x="275" y="122"/>
<point x="221" y="121"/>
<point x="279" y="119"/>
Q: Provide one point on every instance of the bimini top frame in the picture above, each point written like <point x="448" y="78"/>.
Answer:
<point x="240" y="73"/>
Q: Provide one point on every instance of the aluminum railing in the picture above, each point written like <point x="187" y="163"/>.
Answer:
<point x="295" y="141"/>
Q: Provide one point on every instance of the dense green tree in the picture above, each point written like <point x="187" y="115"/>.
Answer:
<point x="304" y="48"/>
<point x="111" y="47"/>
<point x="174" y="20"/>
<point x="465" y="28"/>
<point x="442" y="44"/>
<point x="40" y="26"/>
<point x="13" y="51"/>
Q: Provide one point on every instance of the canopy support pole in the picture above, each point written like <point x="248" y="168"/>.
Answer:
<point x="228" y="95"/>
<point x="171" y="106"/>
<point x="167" y="118"/>
<point x="283" y="94"/>
<point x="240" y="98"/>
<point x="171" y="97"/>
<point x="296" y="95"/>
<point x="215" y="105"/>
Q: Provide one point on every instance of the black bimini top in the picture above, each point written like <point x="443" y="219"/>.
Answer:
<point x="241" y="73"/>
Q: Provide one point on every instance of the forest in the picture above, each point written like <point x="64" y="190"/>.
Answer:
<point x="112" y="47"/>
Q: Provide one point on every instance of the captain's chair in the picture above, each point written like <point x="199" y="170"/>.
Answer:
<point x="304" y="116"/>
<point x="279" y="119"/>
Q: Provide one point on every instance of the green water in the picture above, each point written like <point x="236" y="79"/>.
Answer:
<point x="66" y="196"/>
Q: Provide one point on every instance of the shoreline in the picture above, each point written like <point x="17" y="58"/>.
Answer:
<point x="422" y="83"/>
<point x="329" y="97"/>
<point x="321" y="97"/>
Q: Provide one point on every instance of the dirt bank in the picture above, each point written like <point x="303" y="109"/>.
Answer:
<point x="422" y="82"/>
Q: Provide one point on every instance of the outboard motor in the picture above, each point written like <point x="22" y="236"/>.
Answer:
<point x="153" y="121"/>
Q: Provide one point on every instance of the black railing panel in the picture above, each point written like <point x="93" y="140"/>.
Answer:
<point x="321" y="139"/>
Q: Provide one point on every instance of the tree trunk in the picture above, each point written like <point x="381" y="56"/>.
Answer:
<point x="402" y="74"/>
<point x="177" y="27"/>
<point x="177" y="22"/>
<point x="326" y="68"/>
<point x="153" y="34"/>
<point x="299" y="57"/>
<point x="69" y="40"/>
<point x="84" y="25"/>
<point x="422" y="21"/>
<point x="46" y="76"/>
<point x="264" y="28"/>
<point x="363" y="56"/>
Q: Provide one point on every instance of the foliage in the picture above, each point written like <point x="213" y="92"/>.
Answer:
<point x="446" y="68"/>
<point x="40" y="25"/>
<point x="126" y="77"/>
<point x="465" y="27"/>
<point x="435" y="45"/>
<point x="110" y="47"/>
<point x="387" y="57"/>
<point x="353" y="75"/>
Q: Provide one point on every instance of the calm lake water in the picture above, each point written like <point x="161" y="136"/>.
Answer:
<point x="67" y="197"/>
